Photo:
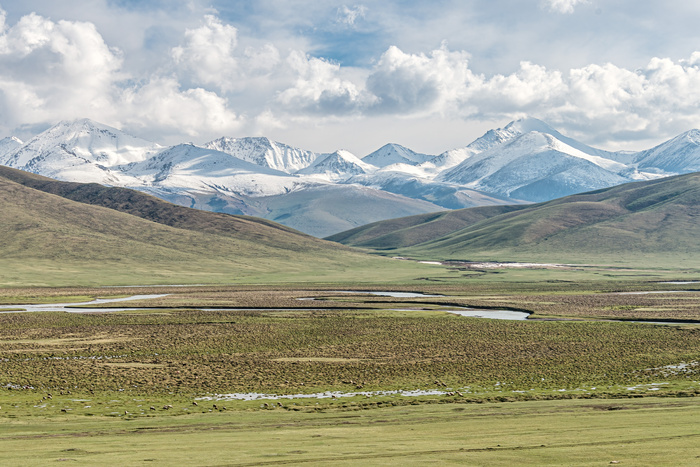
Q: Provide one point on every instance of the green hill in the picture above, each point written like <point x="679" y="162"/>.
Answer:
<point x="653" y="222"/>
<point x="58" y="233"/>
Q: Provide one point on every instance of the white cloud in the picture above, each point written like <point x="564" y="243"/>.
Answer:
<point x="420" y="83"/>
<point x="208" y="53"/>
<point x="210" y="57"/>
<point x="563" y="6"/>
<point x="161" y="106"/>
<point x="521" y="92"/>
<point x="51" y="71"/>
<point x="348" y="16"/>
<point x="218" y="79"/>
<point x="63" y="69"/>
<point x="319" y="87"/>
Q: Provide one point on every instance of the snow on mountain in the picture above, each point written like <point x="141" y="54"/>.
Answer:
<point x="447" y="160"/>
<point x="81" y="151"/>
<point x="500" y="136"/>
<point x="87" y="140"/>
<point x="490" y="139"/>
<point x="525" y="160"/>
<point x="265" y="153"/>
<point x="677" y="156"/>
<point x="529" y="125"/>
<point x="391" y="153"/>
<point x="446" y="195"/>
<point x="337" y="166"/>
<point x="535" y="166"/>
<point x="188" y="167"/>
<point x="9" y="146"/>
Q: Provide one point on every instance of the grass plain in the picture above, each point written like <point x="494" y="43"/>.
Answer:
<point x="640" y="432"/>
<point x="121" y="387"/>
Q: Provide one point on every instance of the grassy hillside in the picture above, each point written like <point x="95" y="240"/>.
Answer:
<point x="125" y="237"/>
<point x="653" y="222"/>
<point x="413" y="230"/>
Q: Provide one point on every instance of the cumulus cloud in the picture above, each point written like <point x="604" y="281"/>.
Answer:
<point x="524" y="91"/>
<point x="208" y="52"/>
<point x="58" y="67"/>
<point x="405" y="82"/>
<point x="320" y="87"/>
<point x="216" y="82"/>
<point x="563" y="6"/>
<point x="51" y="71"/>
<point x="210" y="57"/>
<point x="603" y="100"/>
<point x="161" y="106"/>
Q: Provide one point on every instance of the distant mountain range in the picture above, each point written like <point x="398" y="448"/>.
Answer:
<point x="321" y="194"/>
<point x="649" y="223"/>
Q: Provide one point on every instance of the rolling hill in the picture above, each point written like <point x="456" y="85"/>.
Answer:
<point x="57" y="233"/>
<point x="651" y="222"/>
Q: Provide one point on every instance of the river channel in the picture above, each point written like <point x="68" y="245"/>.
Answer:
<point x="511" y="315"/>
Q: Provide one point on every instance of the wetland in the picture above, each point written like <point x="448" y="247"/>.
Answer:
<point x="192" y="358"/>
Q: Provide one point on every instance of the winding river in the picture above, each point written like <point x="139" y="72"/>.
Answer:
<point x="511" y="315"/>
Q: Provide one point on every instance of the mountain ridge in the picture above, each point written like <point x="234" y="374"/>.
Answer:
<point x="624" y="223"/>
<point x="526" y="161"/>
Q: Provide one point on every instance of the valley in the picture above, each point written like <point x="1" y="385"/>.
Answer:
<point x="128" y="320"/>
<point x="227" y="366"/>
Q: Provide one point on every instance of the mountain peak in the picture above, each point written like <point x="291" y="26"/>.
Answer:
<point x="692" y="136"/>
<point x="338" y="165"/>
<point x="264" y="152"/>
<point x="393" y="153"/>
<point x="528" y="124"/>
<point x="83" y="141"/>
<point x="9" y="146"/>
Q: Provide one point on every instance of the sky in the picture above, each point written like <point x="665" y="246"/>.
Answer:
<point x="432" y="76"/>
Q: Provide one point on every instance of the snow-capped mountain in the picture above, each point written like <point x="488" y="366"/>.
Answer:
<point x="525" y="161"/>
<point x="264" y="152"/>
<point x="81" y="151"/>
<point x="391" y="153"/>
<point x="187" y="167"/>
<point x="416" y="186"/>
<point x="678" y="155"/>
<point x="9" y="146"/>
<point x="535" y="166"/>
<point x="337" y="166"/>
<point x="206" y="178"/>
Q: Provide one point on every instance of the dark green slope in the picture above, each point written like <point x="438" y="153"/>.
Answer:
<point x="146" y="206"/>
<point x="48" y="239"/>
<point x="413" y="230"/>
<point x="658" y="221"/>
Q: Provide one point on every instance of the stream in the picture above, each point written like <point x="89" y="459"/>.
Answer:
<point x="511" y="315"/>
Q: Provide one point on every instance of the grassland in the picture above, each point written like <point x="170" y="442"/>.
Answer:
<point x="650" y="431"/>
<point x="577" y="383"/>
<point x="149" y="385"/>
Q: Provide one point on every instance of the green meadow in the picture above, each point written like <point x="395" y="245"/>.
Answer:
<point x="640" y="432"/>
<point x="149" y="384"/>
<point x="598" y="374"/>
